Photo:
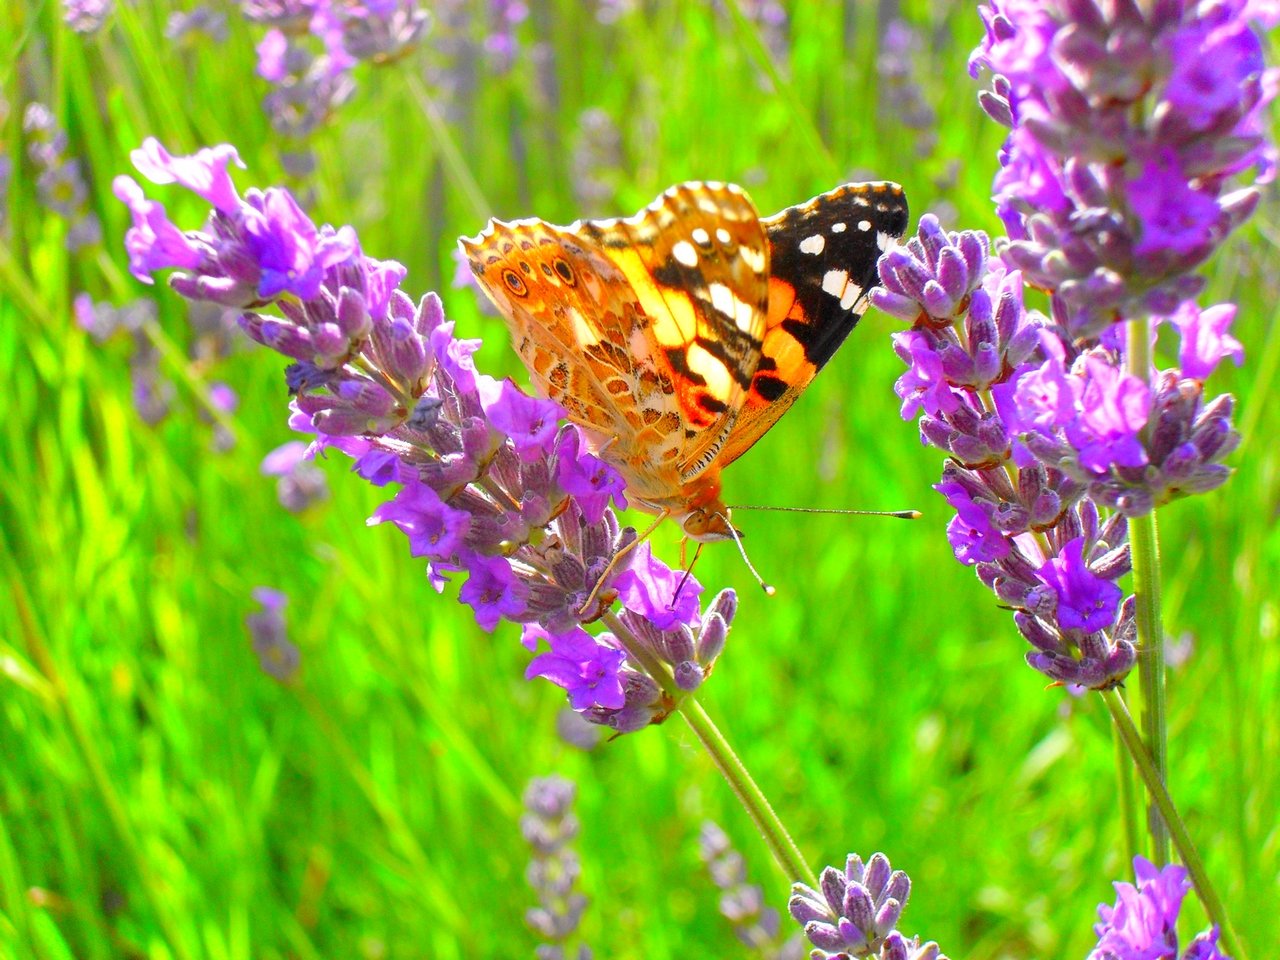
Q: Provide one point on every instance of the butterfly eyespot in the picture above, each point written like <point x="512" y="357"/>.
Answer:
<point x="514" y="283"/>
<point x="525" y="267"/>
<point x="566" y="272"/>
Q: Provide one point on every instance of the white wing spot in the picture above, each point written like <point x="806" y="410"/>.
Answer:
<point x="723" y="235"/>
<point x="722" y="298"/>
<point x="711" y="369"/>
<point x="684" y="252"/>
<point x="851" y="294"/>
<point x="838" y="228"/>
<point x="701" y="237"/>
<point x="726" y="302"/>
<point x="582" y="330"/>
<point x="813" y="245"/>
<point x="753" y="258"/>
<point x="883" y="240"/>
<point x="834" y="282"/>
<point x="864" y="225"/>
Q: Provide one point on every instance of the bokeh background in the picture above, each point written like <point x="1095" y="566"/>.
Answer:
<point x="162" y="795"/>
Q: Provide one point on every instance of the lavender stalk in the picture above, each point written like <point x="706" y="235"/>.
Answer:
<point x="1131" y="129"/>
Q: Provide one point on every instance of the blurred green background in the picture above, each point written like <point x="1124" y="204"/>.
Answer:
<point x="161" y="796"/>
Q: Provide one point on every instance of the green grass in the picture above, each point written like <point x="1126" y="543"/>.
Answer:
<point x="161" y="797"/>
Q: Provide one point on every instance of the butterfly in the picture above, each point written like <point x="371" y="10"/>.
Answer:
<point x="677" y="337"/>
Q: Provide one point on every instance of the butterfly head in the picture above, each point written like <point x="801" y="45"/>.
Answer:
<point x="704" y="518"/>
<point x="708" y="523"/>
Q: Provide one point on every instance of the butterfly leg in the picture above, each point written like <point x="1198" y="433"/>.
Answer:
<point x="617" y="558"/>
<point x="688" y="571"/>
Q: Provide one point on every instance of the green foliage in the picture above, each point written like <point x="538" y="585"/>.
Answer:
<point x="161" y="797"/>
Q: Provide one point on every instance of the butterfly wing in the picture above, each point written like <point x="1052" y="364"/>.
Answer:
<point x="646" y="329"/>
<point x="559" y="300"/>
<point x="697" y="260"/>
<point x="822" y="256"/>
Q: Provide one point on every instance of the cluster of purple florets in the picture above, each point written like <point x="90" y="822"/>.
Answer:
<point x="1116" y="182"/>
<point x="1028" y="527"/>
<point x="1135" y="129"/>
<point x="550" y="827"/>
<point x="309" y="51"/>
<point x="491" y="486"/>
<point x="1143" y="923"/>
<point x="854" y="912"/>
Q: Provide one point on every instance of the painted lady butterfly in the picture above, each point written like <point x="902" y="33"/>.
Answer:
<point x="676" y="338"/>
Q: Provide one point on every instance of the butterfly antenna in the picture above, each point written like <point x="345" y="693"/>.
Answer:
<point x="768" y="588"/>
<point x="898" y="514"/>
<point x="617" y="558"/>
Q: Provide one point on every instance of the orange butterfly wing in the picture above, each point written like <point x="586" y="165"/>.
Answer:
<point x="647" y="329"/>
<point x="822" y="262"/>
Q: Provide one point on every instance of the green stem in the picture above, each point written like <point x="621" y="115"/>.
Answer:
<point x="1128" y="798"/>
<point x="749" y="794"/>
<point x="1145" y="762"/>
<point x="1146" y="588"/>
<point x="781" y="845"/>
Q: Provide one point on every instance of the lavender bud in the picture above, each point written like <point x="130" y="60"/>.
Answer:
<point x="711" y="639"/>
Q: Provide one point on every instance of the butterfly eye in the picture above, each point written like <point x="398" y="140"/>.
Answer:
<point x="514" y="283"/>
<point x="566" y="272"/>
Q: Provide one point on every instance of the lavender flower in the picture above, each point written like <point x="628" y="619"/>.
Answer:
<point x="742" y="904"/>
<point x="1128" y="126"/>
<point x="185" y="26"/>
<point x="301" y="483"/>
<point x="595" y="674"/>
<point x="220" y="399"/>
<point x="490" y="487"/>
<point x="307" y="87"/>
<point x="596" y="160"/>
<point x="1131" y="126"/>
<point x="1143" y="923"/>
<point x="277" y="656"/>
<point x="153" y="392"/>
<point x="101" y="320"/>
<point x="855" y="912"/>
<point x="990" y="381"/>
<point x="313" y="45"/>
<point x="383" y="32"/>
<point x="86" y="16"/>
<point x="550" y="827"/>
<point x="290" y="15"/>
<point x="577" y="731"/>
<point x="59" y="182"/>
<point x="901" y="100"/>
<point x="501" y="44"/>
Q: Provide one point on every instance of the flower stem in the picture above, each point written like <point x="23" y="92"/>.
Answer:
<point x="749" y="794"/>
<point x="783" y="848"/>
<point x="1146" y="588"/>
<point x="1145" y="762"/>
<point x="1128" y="798"/>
